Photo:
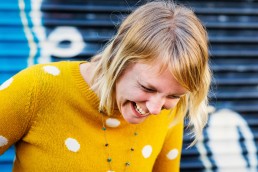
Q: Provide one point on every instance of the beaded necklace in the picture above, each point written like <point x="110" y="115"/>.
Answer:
<point x="107" y="145"/>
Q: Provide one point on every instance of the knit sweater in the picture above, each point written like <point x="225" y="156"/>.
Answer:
<point x="51" y="115"/>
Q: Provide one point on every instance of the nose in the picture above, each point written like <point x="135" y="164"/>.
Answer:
<point x="155" y="104"/>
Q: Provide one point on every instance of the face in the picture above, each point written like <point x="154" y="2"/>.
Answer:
<point x="142" y="90"/>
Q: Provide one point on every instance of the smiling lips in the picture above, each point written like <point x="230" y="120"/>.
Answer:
<point x="139" y="111"/>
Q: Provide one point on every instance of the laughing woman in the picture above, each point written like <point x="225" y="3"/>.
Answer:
<point x="123" y="110"/>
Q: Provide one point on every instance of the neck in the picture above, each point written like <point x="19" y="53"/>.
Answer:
<point x="86" y="70"/>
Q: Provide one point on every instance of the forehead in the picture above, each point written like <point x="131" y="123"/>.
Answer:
<point x="154" y="75"/>
<point x="151" y="70"/>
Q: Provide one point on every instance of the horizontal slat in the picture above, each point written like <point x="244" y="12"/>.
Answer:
<point x="235" y="68"/>
<point x="233" y="39"/>
<point x="235" y="81"/>
<point x="235" y="53"/>
<point x="235" y="95"/>
<point x="191" y="166"/>
<point x="232" y="25"/>
<point x="228" y="139"/>
<point x="226" y="10"/>
<point x="85" y="8"/>
<point x="238" y="107"/>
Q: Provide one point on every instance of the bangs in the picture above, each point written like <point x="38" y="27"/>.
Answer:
<point x="186" y="60"/>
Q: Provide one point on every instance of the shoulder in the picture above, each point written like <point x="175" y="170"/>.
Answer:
<point x="39" y="79"/>
<point x="53" y="68"/>
<point x="47" y="73"/>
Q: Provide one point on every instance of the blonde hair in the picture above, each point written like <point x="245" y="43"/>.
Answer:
<point x="166" y="33"/>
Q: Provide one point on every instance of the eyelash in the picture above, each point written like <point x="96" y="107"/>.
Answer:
<point x="147" y="89"/>
<point x="174" y="97"/>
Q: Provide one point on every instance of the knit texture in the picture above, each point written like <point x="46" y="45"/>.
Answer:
<point x="51" y="115"/>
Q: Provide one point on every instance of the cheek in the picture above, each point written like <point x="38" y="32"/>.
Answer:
<point x="138" y="96"/>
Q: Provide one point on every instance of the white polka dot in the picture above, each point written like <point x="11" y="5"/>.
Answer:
<point x="3" y="141"/>
<point x="146" y="151"/>
<point x="112" y="122"/>
<point x="172" y="154"/>
<point x="52" y="70"/>
<point x="72" y="144"/>
<point x="6" y="84"/>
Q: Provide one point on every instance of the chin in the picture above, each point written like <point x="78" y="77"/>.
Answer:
<point x="134" y="120"/>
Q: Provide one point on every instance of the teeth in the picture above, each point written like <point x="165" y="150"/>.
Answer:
<point x="139" y="109"/>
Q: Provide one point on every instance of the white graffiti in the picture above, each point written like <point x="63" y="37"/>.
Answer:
<point x="43" y="46"/>
<point x="28" y="33"/>
<point x="39" y="31"/>
<point x="61" y="34"/>
<point x="224" y="131"/>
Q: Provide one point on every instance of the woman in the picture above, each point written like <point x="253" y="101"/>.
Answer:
<point x="124" y="110"/>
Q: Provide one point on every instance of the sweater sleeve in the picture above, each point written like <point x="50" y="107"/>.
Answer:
<point x="170" y="155"/>
<point x="17" y="99"/>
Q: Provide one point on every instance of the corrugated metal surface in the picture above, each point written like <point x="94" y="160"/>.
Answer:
<point x="40" y="31"/>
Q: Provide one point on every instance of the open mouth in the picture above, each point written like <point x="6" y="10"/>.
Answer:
<point x="139" y="111"/>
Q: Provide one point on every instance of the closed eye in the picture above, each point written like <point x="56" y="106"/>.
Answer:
<point x="149" y="90"/>
<point x="174" y="97"/>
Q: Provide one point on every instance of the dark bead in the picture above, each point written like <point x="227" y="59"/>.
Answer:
<point x="135" y="133"/>
<point x="127" y="164"/>
<point x="132" y="149"/>
<point x="104" y="128"/>
<point x="109" y="159"/>
<point x="106" y="144"/>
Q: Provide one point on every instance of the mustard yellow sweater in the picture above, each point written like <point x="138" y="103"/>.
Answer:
<point x="51" y="115"/>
